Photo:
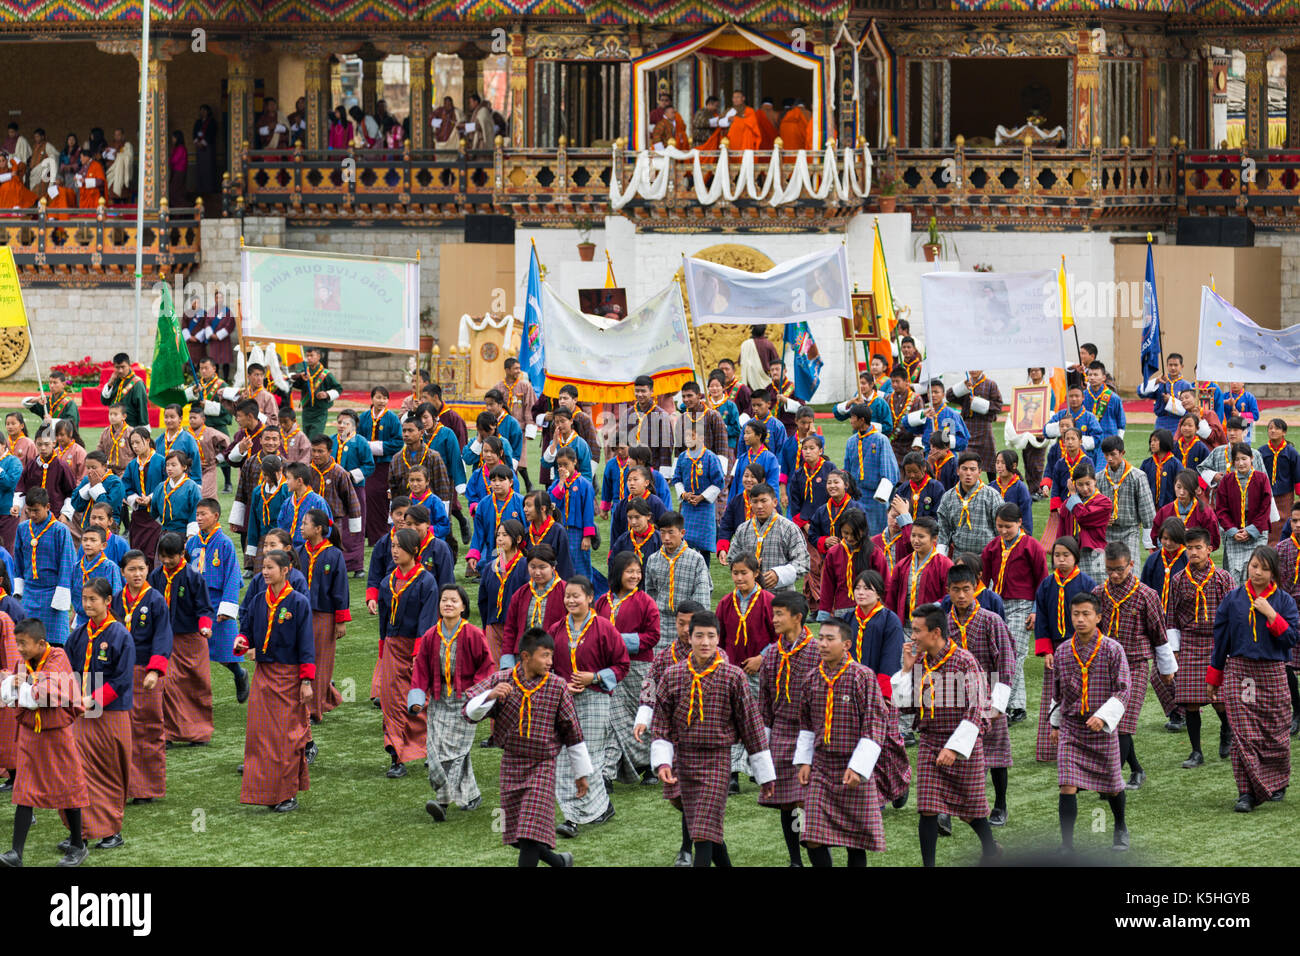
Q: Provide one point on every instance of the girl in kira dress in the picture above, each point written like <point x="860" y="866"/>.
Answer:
<point x="854" y="553"/>
<point x="500" y="579"/>
<point x="1187" y="508"/>
<point x="755" y="452"/>
<point x="823" y="528"/>
<point x="174" y="501"/>
<point x="408" y="607"/>
<point x="143" y="473"/>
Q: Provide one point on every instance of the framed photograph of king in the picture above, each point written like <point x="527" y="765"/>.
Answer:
<point x="864" y="325"/>
<point x="1029" y="407"/>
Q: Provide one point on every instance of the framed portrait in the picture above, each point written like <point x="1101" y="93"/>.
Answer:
<point x="863" y="326"/>
<point x="1030" y="405"/>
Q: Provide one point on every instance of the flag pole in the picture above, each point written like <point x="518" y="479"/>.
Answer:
<point x="1160" y="338"/>
<point x="139" y="201"/>
<point x="1074" y="325"/>
<point x="695" y="341"/>
<point x="609" y="264"/>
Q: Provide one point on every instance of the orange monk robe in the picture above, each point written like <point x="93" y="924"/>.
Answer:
<point x="89" y="196"/>
<point x="64" y="198"/>
<point x="794" y="130"/>
<point x="767" y="130"/>
<point x="13" y="191"/>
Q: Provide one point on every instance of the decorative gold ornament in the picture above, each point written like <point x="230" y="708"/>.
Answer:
<point x="14" y="346"/>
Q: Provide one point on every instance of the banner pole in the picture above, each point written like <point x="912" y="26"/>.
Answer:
<point x="697" y="355"/>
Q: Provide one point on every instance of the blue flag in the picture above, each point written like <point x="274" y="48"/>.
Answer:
<point x="1150" y="321"/>
<point x="807" y="361"/>
<point x="532" y="354"/>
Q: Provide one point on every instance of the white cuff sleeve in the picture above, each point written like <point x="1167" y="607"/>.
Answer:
<point x="761" y="764"/>
<point x="580" y="760"/>
<point x="191" y="529"/>
<point x="1089" y="443"/>
<point x="804" y="747"/>
<point x="190" y="392"/>
<point x="1001" y="697"/>
<point x="960" y="390"/>
<point x="530" y="432"/>
<point x="416" y="698"/>
<point x="84" y="492"/>
<point x="963" y="739"/>
<point x="479" y="707"/>
<point x="1120" y="433"/>
<point x="1052" y="429"/>
<point x="915" y="419"/>
<point x="18" y="587"/>
<point x="476" y="446"/>
<point x="644" y="714"/>
<point x="548" y="455"/>
<point x="884" y="490"/>
<point x="942" y="549"/>
<point x="666" y="471"/>
<point x="864" y="758"/>
<point x="97" y="490"/>
<point x="1111" y="713"/>
<point x="235" y="454"/>
<point x="786" y="575"/>
<point x="743" y="419"/>
<point x="357" y="476"/>
<point x="66" y="510"/>
<point x="1208" y="475"/>
<point x="661" y="754"/>
<point x="333" y="394"/>
<point x="842" y="408"/>
<point x="1175" y="638"/>
<point x="1172" y="407"/>
<point x="237" y="513"/>
<point x="679" y="488"/>
<point x="540" y="420"/>
<point x="980" y="406"/>
<point x="901" y="689"/>
<point x="131" y="500"/>
<point x="1054" y="714"/>
<point x="228" y="609"/>
<point x="460" y="489"/>
<point x="62" y="599"/>
<point x="230" y="394"/>
<point x="1203" y="430"/>
<point x="376" y="448"/>
<point x="211" y="408"/>
<point x="354" y="525"/>
<point x="711" y="493"/>
<point x="7" y="693"/>
<point x="251" y="550"/>
<point x="27" y="696"/>
<point x="1165" y="662"/>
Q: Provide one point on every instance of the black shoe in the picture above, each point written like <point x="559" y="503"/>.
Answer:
<point x="900" y="802"/>
<point x="473" y="804"/>
<point x="395" y="771"/>
<point x="286" y="805"/>
<point x="241" y="685"/>
<point x="684" y="858"/>
<point x="75" y="857"/>
<point x="171" y="744"/>
<point x="7" y="785"/>
<point x="1295" y="725"/>
<point x="734" y="785"/>
<point x="1121" y="842"/>
<point x="648" y="779"/>
<point x="12" y="858"/>
<point x="435" y="810"/>
<point x="1225" y="742"/>
<point x="1176" y="723"/>
<point x="1195" y="760"/>
<point x="1245" y="803"/>
<point x="227" y="490"/>
<point x="311" y="752"/>
<point x="566" y="859"/>
<point x="909" y="739"/>
<point x="487" y="744"/>
<point x="64" y="845"/>
<point x="945" y="824"/>
<point x="568" y="829"/>
<point x="137" y="801"/>
<point x="606" y="816"/>
<point x="1136" y="780"/>
<point x="111" y="842"/>
<point x="241" y="770"/>
<point x="1016" y="716"/>
<point x="998" y="817"/>
<point x="315" y="721"/>
<point x="375" y="701"/>
<point x="1277" y="796"/>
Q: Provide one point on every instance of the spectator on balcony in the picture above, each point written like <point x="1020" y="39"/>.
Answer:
<point x="179" y="164"/>
<point x="665" y="100"/>
<point x="793" y="128"/>
<point x="705" y="121"/>
<point x="270" y="131"/>
<point x="14" y="194"/>
<point x="480" y="129"/>
<point x="340" y="136"/>
<point x="444" y="121"/>
<point x="298" y="122"/>
<point x="70" y="160"/>
<point x="97" y="143"/>
<point x="43" y="166"/>
<point x="394" y="135"/>
<point x="365" y="129"/>
<point x="206" y="137"/>
<point x="15" y="145"/>
<point x="669" y="131"/>
<point x="739" y="126"/>
<point x="90" y="181"/>
<point x="120" y="174"/>
<point x="767" y="123"/>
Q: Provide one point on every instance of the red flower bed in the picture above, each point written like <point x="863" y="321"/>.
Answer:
<point x="84" y="371"/>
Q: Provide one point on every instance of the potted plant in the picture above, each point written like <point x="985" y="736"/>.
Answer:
<point x="888" y="194"/>
<point x="934" y="244"/>
<point x="586" y="248"/>
<point x="428" y="325"/>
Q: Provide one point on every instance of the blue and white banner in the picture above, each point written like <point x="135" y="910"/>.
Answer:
<point x="532" y="350"/>
<point x="1150" y="321"/>
<point x="1233" y="348"/>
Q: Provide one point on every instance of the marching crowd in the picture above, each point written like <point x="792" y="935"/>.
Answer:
<point x="912" y="550"/>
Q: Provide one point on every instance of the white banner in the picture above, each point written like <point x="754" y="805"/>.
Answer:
<point x="603" y="356"/>
<point x="980" y="320"/>
<point x="814" y="286"/>
<point x="1232" y="348"/>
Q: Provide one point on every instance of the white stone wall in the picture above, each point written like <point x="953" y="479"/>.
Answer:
<point x="1290" y="244"/>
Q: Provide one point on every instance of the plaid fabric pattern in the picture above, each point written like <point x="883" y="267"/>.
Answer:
<point x="1135" y="509"/>
<point x="1092" y="562"/>
<point x="715" y="431"/>
<point x="339" y="493"/>
<point x="527" y="777"/>
<point x="1217" y="460"/>
<point x="783" y="544"/>
<point x="1289" y="568"/>
<point x="691" y="582"/>
<point x="701" y="521"/>
<point x="439" y="479"/>
<point x="665" y="657"/>
<point x="954" y="531"/>
<point x="779" y="705"/>
<point x="1017" y="615"/>
<point x="836" y="815"/>
<point x="901" y="439"/>
<point x="449" y="739"/>
<point x="1139" y="626"/>
<point x="739" y="756"/>
<point x="1261" y="749"/>
<point x="980" y="427"/>
<point x="702" y="736"/>
<point x="1044" y="752"/>
<point x="624" y="756"/>
<point x="592" y="708"/>
<point x="988" y="639"/>
<point x="1034" y="459"/>
<point x="1089" y="759"/>
<point x="1164" y="691"/>
<point x="1236" y="554"/>
<point x="959" y="695"/>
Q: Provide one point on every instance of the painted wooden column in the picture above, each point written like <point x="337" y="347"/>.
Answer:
<point x="372" y="83"/>
<point x="1087" y="93"/>
<point x="239" y="86"/>
<point x="518" y="90"/>
<point x="317" y="94"/>
<point x="156" y="142"/>
<point x="421" y="86"/>
<point x="1150" y="97"/>
<point x="1256" y="100"/>
<point x="1293" y="99"/>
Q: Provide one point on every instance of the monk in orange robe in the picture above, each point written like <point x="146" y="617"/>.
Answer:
<point x="794" y="128"/>
<point x="767" y="123"/>
<point x="59" y="197"/>
<point x="743" y="132"/>
<point x="92" y="185"/>
<point x="13" y="191"/>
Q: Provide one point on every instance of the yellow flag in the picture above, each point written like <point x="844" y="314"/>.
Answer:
<point x="880" y="288"/>
<point x="1067" y="315"/>
<point x="12" y="311"/>
<point x="1057" y="381"/>
<point x="289" y="354"/>
<point x="609" y="272"/>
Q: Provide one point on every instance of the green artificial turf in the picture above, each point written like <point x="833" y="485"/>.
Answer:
<point x="353" y="815"/>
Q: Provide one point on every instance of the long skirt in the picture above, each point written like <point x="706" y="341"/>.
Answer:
<point x="997" y="743"/>
<point x="740" y="759"/>
<point x="893" y="773"/>
<point x="325" y="696"/>
<point x="374" y="678"/>
<point x="836" y="815"/>
<point x="51" y="775"/>
<point x="581" y="559"/>
<point x="1034" y="459"/>
<point x="8" y="531"/>
<point x="625" y="756"/>
<point x="354" y="542"/>
<point x="1044" y="752"/>
<point x="1088" y="759"/>
<point x="105" y="745"/>
<point x="1260" y="721"/>
<point x="449" y="743"/>
<point x="593" y="708"/>
<point x="148" y="746"/>
<point x="527" y="799"/>
<point x="1236" y="555"/>
<point x="376" y="506"/>
<point x="208" y="487"/>
<point x="1193" y="658"/>
<point x="1018" y="612"/>
<point x="143" y="533"/>
<point x="404" y="733"/>
<point x="275" y="738"/>
<point x="494" y="633"/>
<point x="812" y="582"/>
<point x="703" y="776"/>
<point x="959" y="789"/>
<point x="187" y="691"/>
<point x="788" y="789"/>
<point x="1137" y="694"/>
<point x="8" y="738"/>
<point x="1164" y="692"/>
<point x="1283" y="503"/>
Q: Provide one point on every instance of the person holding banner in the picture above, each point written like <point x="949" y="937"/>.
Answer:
<point x="980" y="404"/>
<point x="1104" y="403"/>
<point x="320" y="389"/>
<point x="1163" y="388"/>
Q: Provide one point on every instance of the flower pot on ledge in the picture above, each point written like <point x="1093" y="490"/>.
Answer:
<point x="586" y="251"/>
<point x="931" y="250"/>
<point x="888" y="204"/>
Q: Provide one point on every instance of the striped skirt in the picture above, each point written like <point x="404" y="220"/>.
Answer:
<point x="740" y="759"/>
<point x="325" y="696"/>
<point x="1137" y="694"/>
<point x="625" y="756"/>
<point x="275" y="738"/>
<point x="448" y="743"/>
<point x="354" y="542"/>
<point x="1044" y="752"/>
<point x="593" y="708"/>
<point x="187" y="691"/>
<point x="788" y="789"/>
<point x="703" y="776"/>
<point x="893" y="771"/>
<point x="1018" y="612"/>
<point x="148" y="745"/>
<point x="404" y="733"/>
<point x="1259" y="713"/>
<point x="50" y="771"/>
<point x="376" y="504"/>
<point x="958" y="789"/>
<point x="527" y="800"/>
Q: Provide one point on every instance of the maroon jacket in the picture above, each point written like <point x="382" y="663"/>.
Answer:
<point x="758" y="627"/>
<point x="836" y="591"/>
<point x="473" y="663"/>
<point x="638" y="614"/>
<point x="58" y="482"/>
<point x="601" y="648"/>
<point x="1088" y="521"/>
<point x="517" y="614"/>
<point x="1259" y="497"/>
<point x="1025" y="570"/>
<point x="931" y="586"/>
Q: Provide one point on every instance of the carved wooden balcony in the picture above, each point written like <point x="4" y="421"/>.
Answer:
<point x="1261" y="184"/>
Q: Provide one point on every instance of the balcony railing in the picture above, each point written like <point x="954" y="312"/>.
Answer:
<point x="1261" y="184"/>
<point x="98" y="247"/>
